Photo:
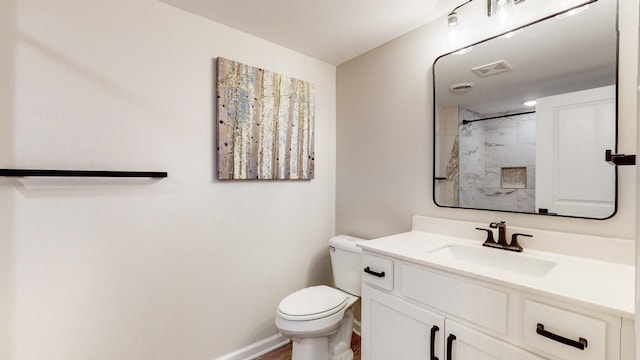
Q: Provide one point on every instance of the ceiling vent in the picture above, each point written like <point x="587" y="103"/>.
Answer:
<point x="492" y="69"/>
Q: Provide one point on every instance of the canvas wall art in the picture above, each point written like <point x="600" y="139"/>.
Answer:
<point x="265" y="124"/>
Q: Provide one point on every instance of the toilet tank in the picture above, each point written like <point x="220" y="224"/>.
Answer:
<point x="346" y="263"/>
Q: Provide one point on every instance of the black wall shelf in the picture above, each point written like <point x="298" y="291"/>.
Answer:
<point x="81" y="173"/>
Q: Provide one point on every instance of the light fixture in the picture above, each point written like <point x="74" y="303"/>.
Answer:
<point x="530" y="103"/>
<point x="452" y="18"/>
<point x="501" y="8"/>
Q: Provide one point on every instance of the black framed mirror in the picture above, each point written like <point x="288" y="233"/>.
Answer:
<point x="496" y="150"/>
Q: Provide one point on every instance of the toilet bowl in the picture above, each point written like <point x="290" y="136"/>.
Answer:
<point x="319" y="322"/>
<point x="319" y="319"/>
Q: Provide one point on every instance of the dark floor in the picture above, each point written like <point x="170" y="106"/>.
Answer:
<point x="284" y="353"/>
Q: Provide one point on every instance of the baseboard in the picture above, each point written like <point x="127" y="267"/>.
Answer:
<point x="256" y="349"/>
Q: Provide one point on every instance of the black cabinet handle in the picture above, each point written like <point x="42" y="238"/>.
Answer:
<point x="378" y="274"/>
<point x="432" y="350"/>
<point x="580" y="344"/>
<point x="450" y="339"/>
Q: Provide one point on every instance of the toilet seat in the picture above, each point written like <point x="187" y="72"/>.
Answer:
<point x="312" y="303"/>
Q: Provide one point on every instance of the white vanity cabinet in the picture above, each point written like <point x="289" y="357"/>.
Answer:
<point x="414" y="311"/>
<point x="463" y="343"/>
<point x="392" y="324"/>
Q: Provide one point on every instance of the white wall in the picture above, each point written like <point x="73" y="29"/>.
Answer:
<point x="182" y="268"/>
<point x="385" y="131"/>
<point x="637" y="253"/>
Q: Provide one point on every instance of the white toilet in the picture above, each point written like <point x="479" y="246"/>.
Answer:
<point x="318" y="319"/>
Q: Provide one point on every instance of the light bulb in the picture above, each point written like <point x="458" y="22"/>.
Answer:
<point x="503" y="9"/>
<point x="452" y="20"/>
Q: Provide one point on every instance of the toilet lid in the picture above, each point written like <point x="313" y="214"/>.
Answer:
<point x="312" y="303"/>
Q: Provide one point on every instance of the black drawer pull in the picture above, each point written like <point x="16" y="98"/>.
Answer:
<point x="378" y="274"/>
<point x="450" y="339"/>
<point x="432" y="350"/>
<point x="580" y="344"/>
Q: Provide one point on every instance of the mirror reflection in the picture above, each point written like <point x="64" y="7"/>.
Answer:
<point x="522" y="120"/>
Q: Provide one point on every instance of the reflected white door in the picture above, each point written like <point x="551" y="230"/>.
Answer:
<point x="573" y="131"/>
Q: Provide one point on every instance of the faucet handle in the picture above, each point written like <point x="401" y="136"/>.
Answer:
<point x="514" y="245"/>
<point x="490" y="239"/>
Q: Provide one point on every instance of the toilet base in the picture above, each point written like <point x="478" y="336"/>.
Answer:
<point x="334" y="347"/>
<point x="310" y="348"/>
<point x="340" y="342"/>
<point x="347" y="355"/>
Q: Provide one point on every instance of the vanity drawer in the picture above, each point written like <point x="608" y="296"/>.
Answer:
<point x="377" y="271"/>
<point x="477" y="304"/>
<point x="565" y="334"/>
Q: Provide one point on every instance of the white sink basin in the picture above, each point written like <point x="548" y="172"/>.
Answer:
<point x="496" y="258"/>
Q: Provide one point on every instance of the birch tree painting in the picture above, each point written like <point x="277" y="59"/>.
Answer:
<point x="265" y="124"/>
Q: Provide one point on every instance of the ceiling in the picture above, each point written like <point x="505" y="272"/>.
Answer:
<point x="336" y="31"/>
<point x="333" y="31"/>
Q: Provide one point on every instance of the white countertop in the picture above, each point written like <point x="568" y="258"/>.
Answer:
<point x="602" y="286"/>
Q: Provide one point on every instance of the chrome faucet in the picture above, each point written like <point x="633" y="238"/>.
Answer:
<point x="502" y="237"/>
